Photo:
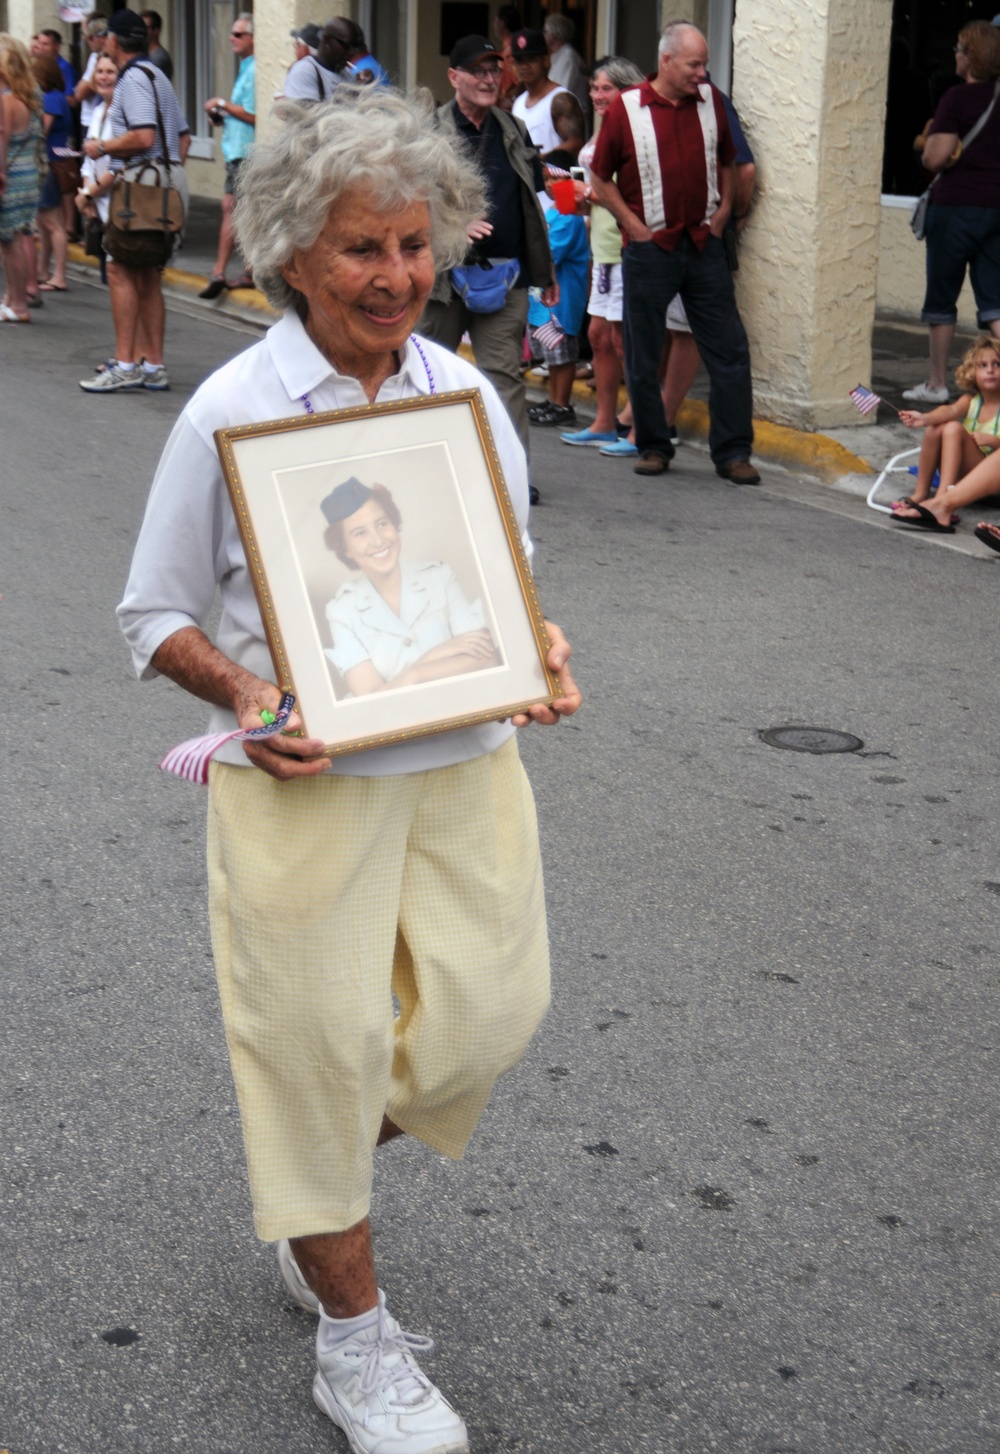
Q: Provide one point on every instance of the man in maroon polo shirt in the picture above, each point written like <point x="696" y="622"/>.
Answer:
<point x="664" y="167"/>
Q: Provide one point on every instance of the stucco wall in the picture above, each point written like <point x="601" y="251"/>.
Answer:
<point x="273" y="23"/>
<point x="806" y="94"/>
<point x="901" y="268"/>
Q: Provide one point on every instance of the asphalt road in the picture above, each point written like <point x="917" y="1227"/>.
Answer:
<point x="737" y="1196"/>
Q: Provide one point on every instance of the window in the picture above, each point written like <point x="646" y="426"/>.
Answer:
<point x="921" y="68"/>
<point x="193" y="70"/>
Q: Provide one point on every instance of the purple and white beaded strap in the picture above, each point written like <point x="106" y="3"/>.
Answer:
<point x="423" y="359"/>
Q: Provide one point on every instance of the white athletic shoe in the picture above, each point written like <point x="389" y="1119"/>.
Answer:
<point x="113" y="381"/>
<point x="157" y="378"/>
<point x="294" y="1281"/>
<point x="924" y="394"/>
<point x="372" y="1387"/>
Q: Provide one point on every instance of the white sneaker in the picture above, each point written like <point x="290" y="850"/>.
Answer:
<point x="372" y="1387"/>
<point x="924" y="394"/>
<point x="113" y="380"/>
<point x="294" y="1281"/>
<point x="157" y="378"/>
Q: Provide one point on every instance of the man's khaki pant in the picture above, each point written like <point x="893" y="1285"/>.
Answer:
<point x="497" y="341"/>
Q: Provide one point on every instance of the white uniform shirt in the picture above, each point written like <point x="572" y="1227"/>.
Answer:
<point x="432" y="608"/>
<point x="189" y="545"/>
<point x="566" y="68"/>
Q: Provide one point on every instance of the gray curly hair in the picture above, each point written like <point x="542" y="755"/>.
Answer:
<point x="367" y="136"/>
<point x="620" y="72"/>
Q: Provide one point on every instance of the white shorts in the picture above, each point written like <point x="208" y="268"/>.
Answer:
<point x="610" y="303"/>
<point x="677" y="319"/>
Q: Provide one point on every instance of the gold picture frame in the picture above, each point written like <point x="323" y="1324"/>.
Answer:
<point x="342" y="628"/>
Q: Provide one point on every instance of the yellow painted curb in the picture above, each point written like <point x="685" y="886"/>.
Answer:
<point x="190" y="283"/>
<point x="815" y="453"/>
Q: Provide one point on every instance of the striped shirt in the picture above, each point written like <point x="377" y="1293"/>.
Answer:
<point x="133" y="107"/>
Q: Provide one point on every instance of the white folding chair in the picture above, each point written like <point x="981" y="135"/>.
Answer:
<point x="892" y="468"/>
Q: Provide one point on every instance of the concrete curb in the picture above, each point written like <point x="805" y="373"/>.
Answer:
<point x="813" y="454"/>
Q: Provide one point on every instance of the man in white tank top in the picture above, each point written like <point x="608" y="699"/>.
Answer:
<point x="530" y="55"/>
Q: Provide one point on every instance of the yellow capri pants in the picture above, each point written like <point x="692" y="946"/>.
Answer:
<point x="327" y="896"/>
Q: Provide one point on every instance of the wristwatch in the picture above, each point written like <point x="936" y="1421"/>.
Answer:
<point x="101" y="149"/>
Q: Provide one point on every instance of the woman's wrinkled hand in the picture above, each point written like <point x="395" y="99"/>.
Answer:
<point x="565" y="705"/>
<point x="284" y="755"/>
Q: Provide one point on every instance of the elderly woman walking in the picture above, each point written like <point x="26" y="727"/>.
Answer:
<point x="409" y="871"/>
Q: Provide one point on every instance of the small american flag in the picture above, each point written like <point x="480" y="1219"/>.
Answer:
<point x="190" y="759"/>
<point x="864" y="400"/>
<point x="549" y="335"/>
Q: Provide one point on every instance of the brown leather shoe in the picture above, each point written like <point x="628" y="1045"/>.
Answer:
<point x="651" y="462"/>
<point x="738" y="472"/>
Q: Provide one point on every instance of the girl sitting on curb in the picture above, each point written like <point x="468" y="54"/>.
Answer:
<point x="962" y="440"/>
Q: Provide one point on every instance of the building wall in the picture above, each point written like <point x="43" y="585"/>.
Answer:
<point x="806" y="94"/>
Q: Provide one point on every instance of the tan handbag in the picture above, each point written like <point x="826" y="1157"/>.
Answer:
<point x="139" y="205"/>
<point x="144" y="216"/>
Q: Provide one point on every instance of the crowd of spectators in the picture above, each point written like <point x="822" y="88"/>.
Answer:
<point x="524" y="104"/>
<point x="47" y="190"/>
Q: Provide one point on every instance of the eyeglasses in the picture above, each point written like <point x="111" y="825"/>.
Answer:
<point x="238" y="34"/>
<point x="482" y="73"/>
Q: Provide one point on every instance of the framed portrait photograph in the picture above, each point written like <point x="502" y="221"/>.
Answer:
<point x="389" y="569"/>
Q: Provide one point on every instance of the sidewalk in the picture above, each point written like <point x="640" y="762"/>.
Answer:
<point x="847" y="458"/>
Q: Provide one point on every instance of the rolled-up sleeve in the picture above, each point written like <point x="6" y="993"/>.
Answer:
<point x="182" y="552"/>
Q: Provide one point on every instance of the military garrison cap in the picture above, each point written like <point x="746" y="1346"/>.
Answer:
<point x="345" y="499"/>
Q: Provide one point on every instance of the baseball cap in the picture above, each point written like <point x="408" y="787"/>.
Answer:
<point x="469" y="50"/>
<point x="528" y="43"/>
<point x="126" y="25"/>
<point x="308" y="35"/>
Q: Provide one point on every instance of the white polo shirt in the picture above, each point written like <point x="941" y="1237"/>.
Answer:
<point x="189" y="545"/>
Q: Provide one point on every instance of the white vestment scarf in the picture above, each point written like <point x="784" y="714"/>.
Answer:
<point x="640" y="119"/>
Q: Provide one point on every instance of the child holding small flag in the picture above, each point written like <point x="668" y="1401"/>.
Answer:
<point x="962" y="440"/>
<point x="554" y="333"/>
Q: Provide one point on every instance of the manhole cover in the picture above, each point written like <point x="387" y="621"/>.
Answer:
<point x="810" y="739"/>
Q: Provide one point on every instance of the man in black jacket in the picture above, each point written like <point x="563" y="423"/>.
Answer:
<point x="513" y="230"/>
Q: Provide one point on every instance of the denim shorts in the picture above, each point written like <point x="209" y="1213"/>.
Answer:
<point x="960" y="237"/>
<point x="231" y="169"/>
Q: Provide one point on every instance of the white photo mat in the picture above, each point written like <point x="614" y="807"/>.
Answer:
<point x="437" y="458"/>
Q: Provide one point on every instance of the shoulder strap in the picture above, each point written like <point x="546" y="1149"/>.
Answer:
<point x="983" y="119"/>
<point x="971" y="135"/>
<point x="159" y="115"/>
